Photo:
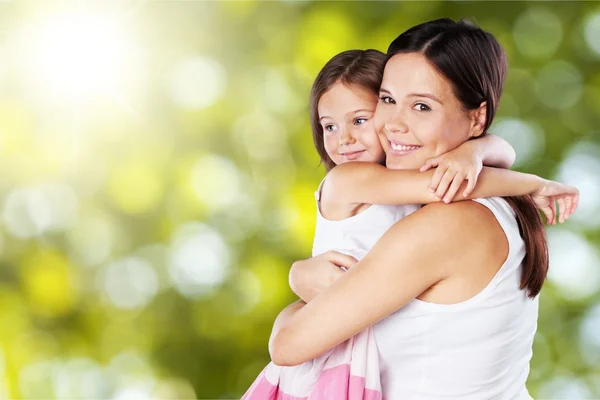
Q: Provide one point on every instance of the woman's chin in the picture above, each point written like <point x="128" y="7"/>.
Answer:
<point x="395" y="163"/>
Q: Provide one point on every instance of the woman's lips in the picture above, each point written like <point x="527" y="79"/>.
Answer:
<point x="352" y="155"/>
<point x="398" y="149"/>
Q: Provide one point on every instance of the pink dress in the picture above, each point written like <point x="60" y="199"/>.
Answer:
<point x="349" y="371"/>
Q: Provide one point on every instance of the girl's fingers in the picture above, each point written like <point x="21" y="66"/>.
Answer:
<point x="561" y="209"/>
<point x="470" y="186"/>
<point x="458" y="180"/>
<point x="437" y="177"/>
<point x="548" y="213"/>
<point x="340" y="259"/>
<point x="568" y="207"/>
<point x="444" y="184"/>
<point x="552" y="206"/>
<point x="432" y="162"/>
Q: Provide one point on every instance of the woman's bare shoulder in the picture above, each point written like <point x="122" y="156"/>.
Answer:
<point x="464" y="223"/>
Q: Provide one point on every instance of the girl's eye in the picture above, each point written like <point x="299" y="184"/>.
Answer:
<point x="421" y="107"/>
<point x="387" y="99"/>
<point x="329" y="128"/>
<point x="359" y="121"/>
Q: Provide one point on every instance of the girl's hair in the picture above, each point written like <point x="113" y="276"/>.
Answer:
<point x="363" y="68"/>
<point x="475" y="64"/>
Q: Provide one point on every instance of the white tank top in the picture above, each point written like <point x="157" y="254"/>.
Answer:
<point x="356" y="235"/>
<point x="477" y="349"/>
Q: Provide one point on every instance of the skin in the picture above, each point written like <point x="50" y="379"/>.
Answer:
<point x="470" y="248"/>
<point x="418" y="107"/>
<point x="346" y="114"/>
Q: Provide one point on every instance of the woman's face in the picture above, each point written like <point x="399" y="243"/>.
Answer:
<point x="346" y="115"/>
<point x="418" y="115"/>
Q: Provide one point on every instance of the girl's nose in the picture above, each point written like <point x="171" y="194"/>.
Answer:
<point x="346" y="138"/>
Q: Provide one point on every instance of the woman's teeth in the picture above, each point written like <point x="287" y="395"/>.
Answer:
<point x="401" y="147"/>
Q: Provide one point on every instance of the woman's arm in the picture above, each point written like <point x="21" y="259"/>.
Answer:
<point x="379" y="284"/>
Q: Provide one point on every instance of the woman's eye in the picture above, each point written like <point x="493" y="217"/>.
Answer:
<point x="421" y="107"/>
<point x="387" y="99"/>
<point x="360" y="121"/>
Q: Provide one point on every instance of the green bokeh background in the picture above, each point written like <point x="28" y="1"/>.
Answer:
<point x="152" y="199"/>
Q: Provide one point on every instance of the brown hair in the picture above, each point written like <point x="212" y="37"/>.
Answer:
<point x="362" y="68"/>
<point x="475" y="64"/>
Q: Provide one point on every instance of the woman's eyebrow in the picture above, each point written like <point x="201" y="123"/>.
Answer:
<point x="428" y="95"/>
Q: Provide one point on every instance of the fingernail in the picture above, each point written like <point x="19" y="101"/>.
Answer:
<point x="446" y="200"/>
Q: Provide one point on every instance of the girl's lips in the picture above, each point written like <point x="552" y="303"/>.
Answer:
<point x="401" y="150"/>
<point x="352" y="155"/>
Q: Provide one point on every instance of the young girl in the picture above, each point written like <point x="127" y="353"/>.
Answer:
<point x="356" y="204"/>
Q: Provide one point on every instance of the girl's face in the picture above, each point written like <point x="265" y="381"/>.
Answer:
<point x="346" y="114"/>
<point x="418" y="116"/>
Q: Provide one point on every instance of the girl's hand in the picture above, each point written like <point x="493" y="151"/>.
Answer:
<point x="453" y="168"/>
<point x="567" y="198"/>
<point x="308" y="278"/>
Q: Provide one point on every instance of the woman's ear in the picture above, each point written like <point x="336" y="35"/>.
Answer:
<point x="478" y="120"/>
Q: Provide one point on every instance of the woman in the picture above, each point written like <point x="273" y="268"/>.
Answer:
<point x="453" y="288"/>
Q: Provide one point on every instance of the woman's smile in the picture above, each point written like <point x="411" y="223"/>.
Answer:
<point x="402" y="149"/>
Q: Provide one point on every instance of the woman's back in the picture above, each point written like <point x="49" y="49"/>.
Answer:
<point x="479" y="348"/>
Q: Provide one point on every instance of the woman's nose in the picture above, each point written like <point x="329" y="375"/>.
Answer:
<point x="396" y="126"/>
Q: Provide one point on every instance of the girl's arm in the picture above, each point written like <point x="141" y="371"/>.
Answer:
<point x="380" y="283"/>
<point x="370" y="183"/>
<point x="495" y="151"/>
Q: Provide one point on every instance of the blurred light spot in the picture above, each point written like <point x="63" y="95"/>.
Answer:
<point x="173" y="388"/>
<point x="592" y="32"/>
<point x="199" y="260"/>
<point x="216" y="181"/>
<point x="537" y="32"/>
<point x="135" y="186"/>
<point x="130" y="283"/>
<point x="521" y="86"/>
<point x="263" y="137"/>
<point x="564" y="388"/>
<point x="240" y="221"/>
<point x="247" y="288"/>
<point x="197" y="82"/>
<point x="129" y="366"/>
<point x="324" y="32"/>
<point x="560" y="84"/>
<point x="581" y="169"/>
<point x="76" y="52"/>
<point x="35" y="380"/>
<point x="589" y="343"/>
<point x="34" y="345"/>
<point x="32" y="211"/>
<point x="574" y="264"/>
<point x="134" y="392"/>
<point x="272" y="274"/>
<point x="278" y="95"/>
<point x="81" y="378"/>
<point x="46" y="275"/>
<point x="91" y="240"/>
<point x="526" y="138"/>
<point x="156" y="255"/>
